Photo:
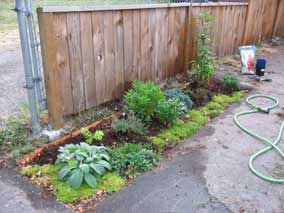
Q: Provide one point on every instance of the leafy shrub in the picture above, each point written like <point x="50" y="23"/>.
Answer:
<point x="132" y="159"/>
<point x="143" y="99"/>
<point x="120" y="125"/>
<point x="130" y="123"/>
<point x="98" y="135"/>
<point x="185" y="101"/>
<point x="231" y="83"/>
<point x="167" y="111"/>
<point x="81" y="163"/>
<point x="204" y="64"/>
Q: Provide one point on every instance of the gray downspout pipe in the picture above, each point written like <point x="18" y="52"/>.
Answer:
<point x="33" y="43"/>
<point x="20" y="9"/>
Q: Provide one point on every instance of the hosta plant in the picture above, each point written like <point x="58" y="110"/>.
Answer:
<point x="82" y="163"/>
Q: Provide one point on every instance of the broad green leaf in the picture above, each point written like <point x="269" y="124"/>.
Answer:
<point x="83" y="154"/>
<point x="72" y="163"/>
<point x="105" y="156"/>
<point x="89" y="160"/>
<point x="90" y="180"/>
<point x="75" y="179"/>
<point x="105" y="164"/>
<point x="85" y="168"/>
<point x="98" y="168"/>
<point x="64" y="172"/>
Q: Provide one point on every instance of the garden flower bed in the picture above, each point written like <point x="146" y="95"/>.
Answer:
<point x="131" y="152"/>
<point x="84" y="166"/>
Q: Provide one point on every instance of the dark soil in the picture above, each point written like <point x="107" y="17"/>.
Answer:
<point x="111" y="139"/>
<point x="199" y="92"/>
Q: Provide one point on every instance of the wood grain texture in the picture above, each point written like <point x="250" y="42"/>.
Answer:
<point x="145" y="47"/>
<point x="88" y="65"/>
<point x="63" y="63"/>
<point x="109" y="56"/>
<point x="119" y="53"/>
<point x="278" y="28"/>
<point x="94" y="55"/>
<point x="99" y="56"/>
<point x="75" y="58"/>
<point x="52" y="84"/>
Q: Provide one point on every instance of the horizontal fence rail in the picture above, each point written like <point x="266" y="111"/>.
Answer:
<point x="91" y="54"/>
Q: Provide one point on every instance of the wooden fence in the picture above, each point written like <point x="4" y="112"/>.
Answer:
<point x="92" y="54"/>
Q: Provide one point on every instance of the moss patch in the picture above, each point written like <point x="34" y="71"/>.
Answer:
<point x="225" y="99"/>
<point x="109" y="182"/>
<point x="195" y="119"/>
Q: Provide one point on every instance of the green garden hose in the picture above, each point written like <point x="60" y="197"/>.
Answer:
<point x="271" y="144"/>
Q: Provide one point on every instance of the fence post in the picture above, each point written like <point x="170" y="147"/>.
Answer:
<point x="35" y="59"/>
<point x="21" y="10"/>
<point x="52" y="84"/>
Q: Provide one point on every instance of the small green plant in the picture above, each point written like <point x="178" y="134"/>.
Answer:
<point x="131" y="159"/>
<point x="98" y="135"/>
<point x="204" y="64"/>
<point x="82" y="163"/>
<point x="231" y="83"/>
<point x="168" y="111"/>
<point x="143" y="99"/>
<point x="130" y="123"/>
<point x="185" y="101"/>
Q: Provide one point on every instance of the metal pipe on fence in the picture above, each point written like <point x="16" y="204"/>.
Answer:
<point x="21" y="14"/>
<point x="36" y="65"/>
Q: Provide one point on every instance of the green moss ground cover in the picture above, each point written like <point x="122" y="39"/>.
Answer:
<point x="195" y="119"/>
<point x="110" y="182"/>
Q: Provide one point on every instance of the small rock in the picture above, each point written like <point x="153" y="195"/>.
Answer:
<point x="52" y="135"/>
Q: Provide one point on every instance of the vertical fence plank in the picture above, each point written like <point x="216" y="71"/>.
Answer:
<point x="151" y="43"/>
<point x="279" y="23"/>
<point x="52" y="84"/>
<point x="181" y="23"/>
<point x="62" y="61"/>
<point x="119" y="53"/>
<point x="109" y="55"/>
<point x="145" y="47"/>
<point x="128" y="29"/>
<point x="136" y="44"/>
<point x="162" y="44"/>
<point x="98" y="42"/>
<point x="187" y="50"/>
<point x="88" y="59"/>
<point x="75" y="58"/>
<point x="171" y="43"/>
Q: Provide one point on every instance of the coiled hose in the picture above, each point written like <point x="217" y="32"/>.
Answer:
<point x="270" y="144"/>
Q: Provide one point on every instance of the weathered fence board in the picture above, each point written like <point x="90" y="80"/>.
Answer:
<point x="260" y="20"/>
<point x="92" y="54"/>
<point x="279" y="23"/>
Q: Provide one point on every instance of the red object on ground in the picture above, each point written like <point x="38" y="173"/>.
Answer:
<point x="250" y="63"/>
